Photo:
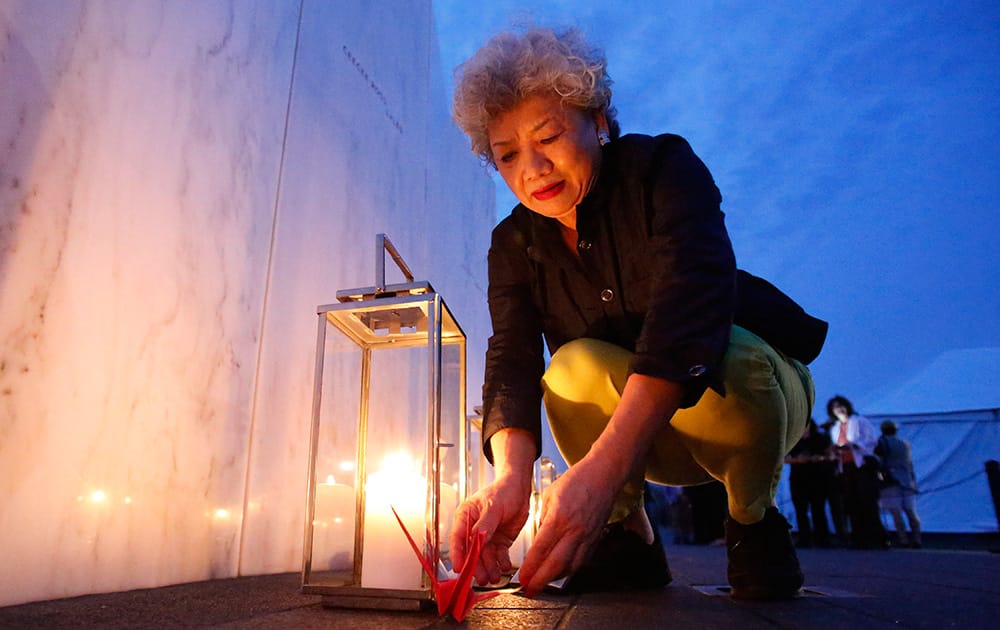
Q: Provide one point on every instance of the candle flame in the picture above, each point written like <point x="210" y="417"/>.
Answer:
<point x="399" y="463"/>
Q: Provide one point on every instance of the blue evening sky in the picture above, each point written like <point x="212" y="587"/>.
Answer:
<point x="855" y="144"/>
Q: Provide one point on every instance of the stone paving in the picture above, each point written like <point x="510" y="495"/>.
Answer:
<point x="927" y="588"/>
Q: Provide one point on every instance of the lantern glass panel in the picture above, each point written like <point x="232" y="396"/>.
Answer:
<point x="336" y="466"/>
<point x="396" y="468"/>
<point x="451" y="460"/>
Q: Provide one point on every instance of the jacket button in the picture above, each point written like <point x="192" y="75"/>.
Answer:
<point x="584" y="245"/>
<point x="607" y="295"/>
<point x="697" y="370"/>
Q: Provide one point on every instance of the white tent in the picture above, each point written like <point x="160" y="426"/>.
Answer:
<point x="958" y="380"/>
<point x="950" y="413"/>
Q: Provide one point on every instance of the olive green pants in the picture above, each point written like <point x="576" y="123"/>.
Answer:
<point x="740" y="438"/>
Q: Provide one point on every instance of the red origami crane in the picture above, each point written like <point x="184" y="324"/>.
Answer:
<point x="453" y="596"/>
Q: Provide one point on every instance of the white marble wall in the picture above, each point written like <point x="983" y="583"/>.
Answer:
<point x="181" y="183"/>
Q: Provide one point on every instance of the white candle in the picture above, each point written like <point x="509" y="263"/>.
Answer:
<point x="333" y="526"/>
<point x="389" y="560"/>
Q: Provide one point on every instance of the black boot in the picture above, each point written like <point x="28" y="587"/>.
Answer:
<point x="622" y="562"/>
<point x="762" y="560"/>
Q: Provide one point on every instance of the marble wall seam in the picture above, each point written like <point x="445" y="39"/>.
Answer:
<point x="266" y="291"/>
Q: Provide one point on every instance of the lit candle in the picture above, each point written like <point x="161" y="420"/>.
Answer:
<point x="388" y="560"/>
<point x="333" y="525"/>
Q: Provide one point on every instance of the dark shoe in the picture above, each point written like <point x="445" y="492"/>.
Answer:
<point x="622" y="562"/>
<point x="762" y="560"/>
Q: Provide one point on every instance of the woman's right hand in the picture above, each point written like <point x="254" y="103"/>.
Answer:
<point x="500" y="509"/>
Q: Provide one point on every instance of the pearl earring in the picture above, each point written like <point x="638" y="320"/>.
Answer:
<point x="603" y="138"/>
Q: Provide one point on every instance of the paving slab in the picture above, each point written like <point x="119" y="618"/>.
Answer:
<point x="927" y="588"/>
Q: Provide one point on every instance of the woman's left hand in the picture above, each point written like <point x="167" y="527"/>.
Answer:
<point x="575" y="510"/>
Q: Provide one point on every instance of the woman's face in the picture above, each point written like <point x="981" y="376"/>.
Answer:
<point x="548" y="155"/>
<point x="840" y="411"/>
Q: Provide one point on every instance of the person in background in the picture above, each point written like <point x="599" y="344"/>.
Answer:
<point x="899" y="485"/>
<point x="812" y="468"/>
<point x="835" y="499"/>
<point x="854" y="439"/>
<point x="667" y="363"/>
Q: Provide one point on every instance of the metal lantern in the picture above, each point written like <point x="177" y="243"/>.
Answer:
<point x="388" y="433"/>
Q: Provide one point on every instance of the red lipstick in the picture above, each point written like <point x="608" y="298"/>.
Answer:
<point x="549" y="191"/>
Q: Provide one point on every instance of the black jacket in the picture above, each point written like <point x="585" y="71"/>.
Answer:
<point x="655" y="275"/>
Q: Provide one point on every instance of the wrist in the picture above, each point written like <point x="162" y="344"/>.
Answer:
<point x="514" y="456"/>
<point x="515" y="482"/>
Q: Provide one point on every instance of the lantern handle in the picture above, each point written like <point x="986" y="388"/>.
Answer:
<point x="383" y="245"/>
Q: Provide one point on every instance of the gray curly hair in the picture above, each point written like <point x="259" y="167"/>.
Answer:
<point x="512" y="67"/>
